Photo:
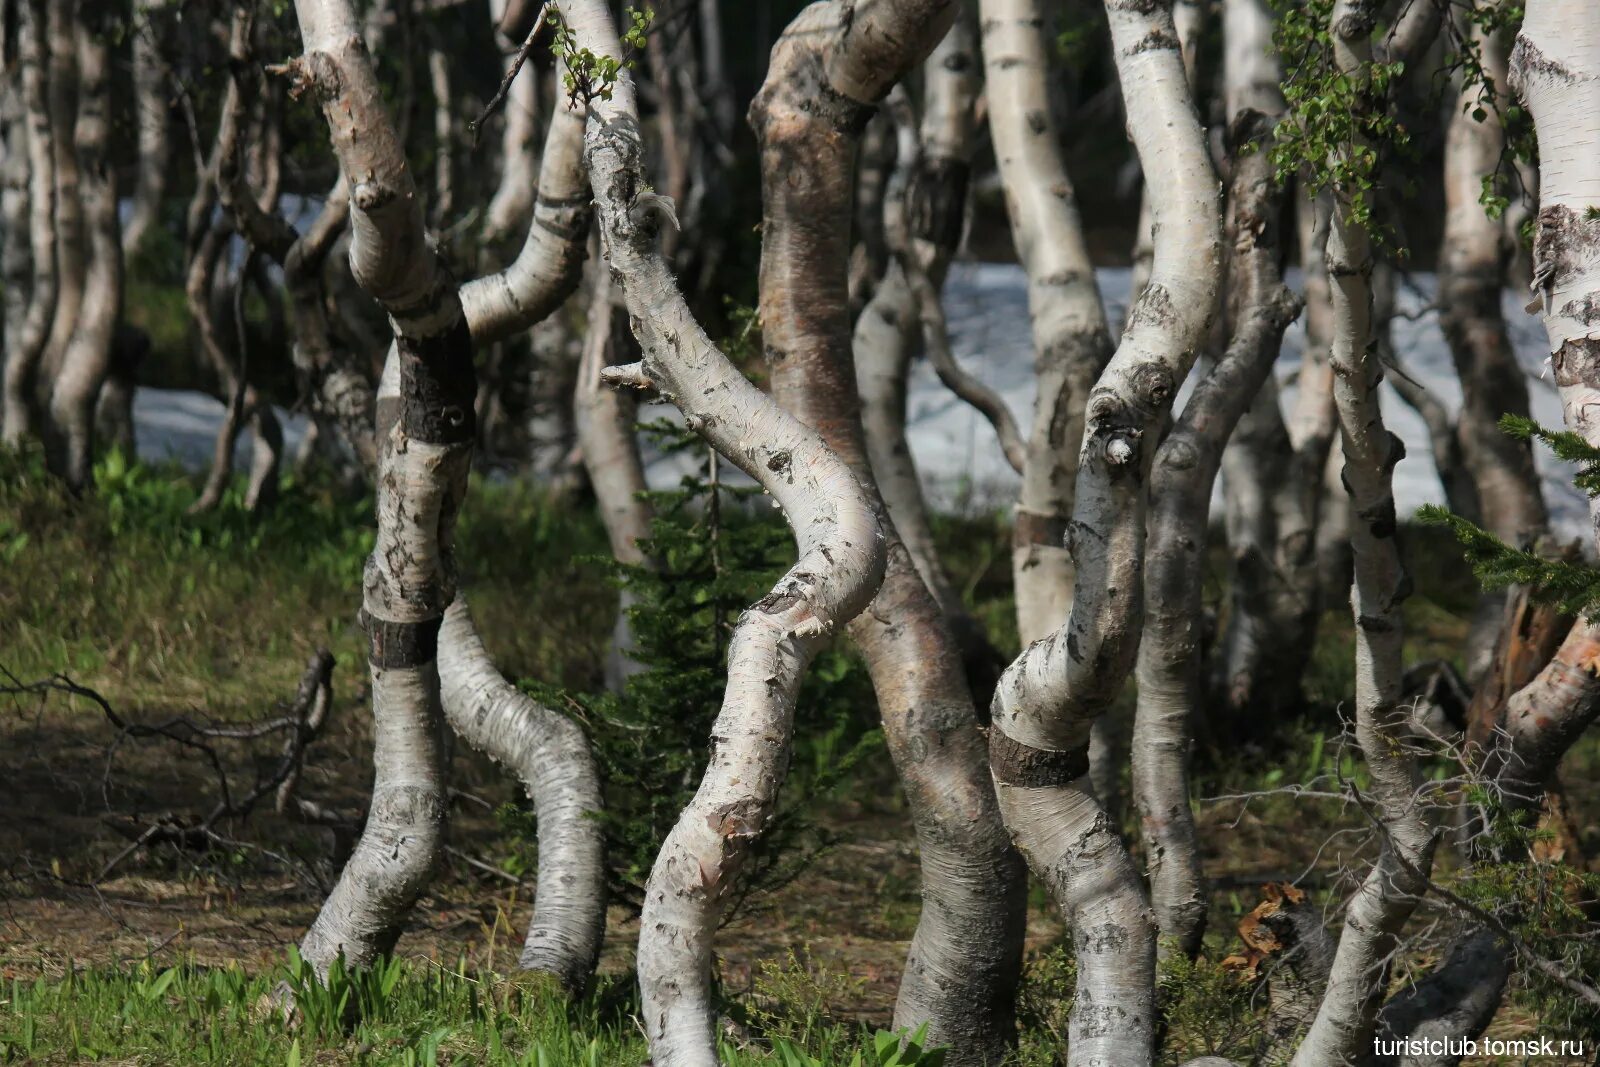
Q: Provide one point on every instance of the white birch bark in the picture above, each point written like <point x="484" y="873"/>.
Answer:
<point x="1052" y="694"/>
<point x="410" y="577"/>
<point x="839" y="568"/>
<point x="1071" y="340"/>
<point x="1189" y="17"/>
<point x="1555" y="70"/>
<point x="1342" y="1030"/>
<point x="25" y="347"/>
<point x="550" y="754"/>
<point x="86" y="360"/>
<point x="1472" y="273"/>
<point x="1170" y="654"/>
<point x="961" y="970"/>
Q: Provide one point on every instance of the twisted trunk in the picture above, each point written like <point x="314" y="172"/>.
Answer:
<point x="923" y="210"/>
<point x="963" y="965"/>
<point x="550" y="755"/>
<point x="839" y="568"/>
<point x="71" y="250"/>
<point x="26" y="345"/>
<point x="1260" y="308"/>
<point x="410" y="577"/>
<point x="1050" y="697"/>
<point x="1342" y="1031"/>
<point x="86" y="360"/>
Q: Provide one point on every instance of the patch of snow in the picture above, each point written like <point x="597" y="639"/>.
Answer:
<point x="956" y="450"/>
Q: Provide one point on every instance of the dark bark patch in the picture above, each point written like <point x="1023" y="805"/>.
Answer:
<point x="438" y="386"/>
<point x="1014" y="763"/>
<point x="1577" y="362"/>
<point x="1154" y="41"/>
<point x="400" y="645"/>
<point x="1037" y="123"/>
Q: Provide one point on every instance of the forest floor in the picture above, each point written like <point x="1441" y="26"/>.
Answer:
<point x="212" y="618"/>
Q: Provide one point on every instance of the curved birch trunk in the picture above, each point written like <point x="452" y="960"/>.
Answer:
<point x="1050" y="697"/>
<point x="1071" y="340"/>
<point x="550" y="754"/>
<point x="15" y="258"/>
<point x="150" y="117"/>
<point x="86" y="361"/>
<point x="839" y="568"/>
<point x="605" y="421"/>
<point x="207" y="257"/>
<point x="1259" y="309"/>
<point x="410" y="577"/>
<point x="963" y="965"/>
<point x="25" y="346"/>
<point x="1343" y="1028"/>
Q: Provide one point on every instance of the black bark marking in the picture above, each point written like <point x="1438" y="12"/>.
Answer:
<point x="1014" y="763"/>
<point x="400" y="645"/>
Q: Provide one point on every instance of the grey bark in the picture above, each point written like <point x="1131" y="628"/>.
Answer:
<point x="150" y="95"/>
<point x="1260" y="308"/>
<point x="1050" y="697"/>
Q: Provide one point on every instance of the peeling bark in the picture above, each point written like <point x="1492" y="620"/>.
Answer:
<point x="1050" y="697"/>
<point x="410" y="577"/>
<point x="1170" y="654"/>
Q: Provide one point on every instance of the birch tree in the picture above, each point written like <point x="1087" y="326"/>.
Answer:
<point x="1052" y="694"/>
<point x="839" y="568"/>
<point x="961" y="970"/>
<point x="1170" y="669"/>
<point x="1343" y="1027"/>
<point x="422" y="480"/>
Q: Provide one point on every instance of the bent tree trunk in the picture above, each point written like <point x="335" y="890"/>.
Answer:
<point x="1050" y="697"/>
<point x="410" y="578"/>
<point x="961" y="972"/>
<point x="87" y="358"/>
<point x="149" y="32"/>
<point x="1342" y="1030"/>
<point x="1170" y="655"/>
<point x="839" y="569"/>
